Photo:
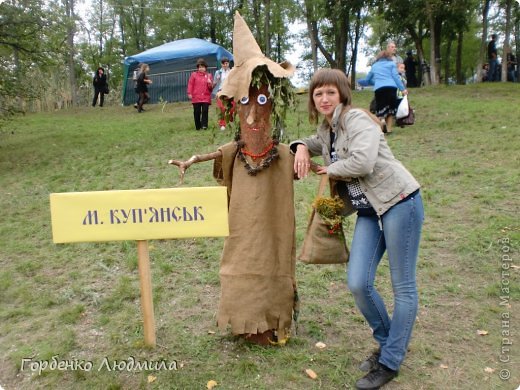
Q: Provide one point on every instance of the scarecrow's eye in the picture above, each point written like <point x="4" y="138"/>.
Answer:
<point x="261" y="99"/>
<point x="244" y="100"/>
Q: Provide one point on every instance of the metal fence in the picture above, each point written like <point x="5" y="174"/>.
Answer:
<point x="165" y="87"/>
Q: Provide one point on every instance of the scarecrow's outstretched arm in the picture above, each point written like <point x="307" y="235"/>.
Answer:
<point x="183" y="165"/>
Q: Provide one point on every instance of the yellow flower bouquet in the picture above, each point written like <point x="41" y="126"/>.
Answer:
<point x="330" y="211"/>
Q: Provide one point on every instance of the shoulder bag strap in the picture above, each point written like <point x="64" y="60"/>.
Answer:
<point x="323" y="182"/>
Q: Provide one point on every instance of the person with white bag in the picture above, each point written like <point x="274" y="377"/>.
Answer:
<point x="401" y="70"/>
<point x="403" y="109"/>
<point x="405" y="114"/>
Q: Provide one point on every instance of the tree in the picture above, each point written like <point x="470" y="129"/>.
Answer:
<point x="71" y="31"/>
<point x="435" y="25"/>
<point x="406" y="23"/>
<point x="456" y="23"/>
<point x="483" y="42"/>
<point x="334" y="27"/>
<point x="268" y="21"/>
<point x="517" y="38"/>
<point x="30" y="44"/>
<point x="507" y="36"/>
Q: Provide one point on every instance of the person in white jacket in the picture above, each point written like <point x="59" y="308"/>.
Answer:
<point x="389" y="209"/>
<point x="225" y="115"/>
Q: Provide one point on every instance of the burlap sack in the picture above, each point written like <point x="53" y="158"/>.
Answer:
<point x="320" y="246"/>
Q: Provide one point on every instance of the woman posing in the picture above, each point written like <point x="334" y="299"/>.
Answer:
<point x="389" y="215"/>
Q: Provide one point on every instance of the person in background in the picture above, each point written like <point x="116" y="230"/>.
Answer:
<point x="220" y="76"/>
<point x="100" y="87"/>
<point x="135" y="76"/>
<point x="485" y="72"/>
<point x="401" y="70"/>
<point x="387" y="199"/>
<point x="386" y="81"/>
<point x="492" y="58"/>
<point x="411" y="69"/>
<point x="142" y="86"/>
<point x="200" y="86"/>
<point x="511" y="65"/>
<point x="391" y="48"/>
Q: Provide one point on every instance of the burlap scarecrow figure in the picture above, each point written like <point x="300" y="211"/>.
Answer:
<point x="257" y="270"/>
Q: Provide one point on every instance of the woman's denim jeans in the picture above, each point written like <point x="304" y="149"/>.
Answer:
<point x="400" y="238"/>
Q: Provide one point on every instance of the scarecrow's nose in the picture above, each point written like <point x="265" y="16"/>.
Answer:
<point x="251" y="115"/>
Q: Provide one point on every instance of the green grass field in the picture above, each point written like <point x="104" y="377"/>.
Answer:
<point x="79" y="303"/>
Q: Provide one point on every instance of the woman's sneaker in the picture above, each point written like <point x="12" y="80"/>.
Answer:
<point x="376" y="378"/>
<point x="371" y="362"/>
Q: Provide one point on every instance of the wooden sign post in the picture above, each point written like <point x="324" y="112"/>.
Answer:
<point x="145" y="282"/>
<point x="140" y="215"/>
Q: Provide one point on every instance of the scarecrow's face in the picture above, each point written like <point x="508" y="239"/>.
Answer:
<point x="255" y="111"/>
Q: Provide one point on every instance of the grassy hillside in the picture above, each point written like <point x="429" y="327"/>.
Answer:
<point x="80" y="302"/>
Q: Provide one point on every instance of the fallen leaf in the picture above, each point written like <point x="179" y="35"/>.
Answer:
<point x="489" y="370"/>
<point x="211" y="384"/>
<point x="482" y="332"/>
<point x="151" y="378"/>
<point x="211" y="332"/>
<point x="320" y="345"/>
<point x="311" y="374"/>
<point x="444" y="366"/>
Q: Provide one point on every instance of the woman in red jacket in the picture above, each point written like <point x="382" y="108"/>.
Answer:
<point x="200" y="86"/>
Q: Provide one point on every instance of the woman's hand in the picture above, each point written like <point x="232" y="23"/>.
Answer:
<point x="302" y="161"/>
<point x="322" y="170"/>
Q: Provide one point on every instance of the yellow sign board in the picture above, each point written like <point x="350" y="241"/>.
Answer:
<point x="139" y="214"/>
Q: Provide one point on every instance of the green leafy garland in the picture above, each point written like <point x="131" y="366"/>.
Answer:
<point x="281" y="91"/>
<point x="272" y="155"/>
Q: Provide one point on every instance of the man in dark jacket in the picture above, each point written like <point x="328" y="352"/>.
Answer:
<point x="100" y="87"/>
<point x="411" y="73"/>
<point x="492" y="59"/>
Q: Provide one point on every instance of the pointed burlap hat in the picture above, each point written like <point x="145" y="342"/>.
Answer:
<point x="247" y="56"/>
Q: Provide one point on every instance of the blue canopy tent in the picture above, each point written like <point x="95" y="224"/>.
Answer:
<point x="170" y="67"/>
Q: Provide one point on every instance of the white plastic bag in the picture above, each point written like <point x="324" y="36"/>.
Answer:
<point x="403" y="109"/>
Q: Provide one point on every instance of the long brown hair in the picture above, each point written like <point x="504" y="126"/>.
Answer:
<point x="333" y="77"/>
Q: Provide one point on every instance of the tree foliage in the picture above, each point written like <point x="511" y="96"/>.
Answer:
<point x="334" y="28"/>
<point x="31" y="46"/>
<point x="48" y="51"/>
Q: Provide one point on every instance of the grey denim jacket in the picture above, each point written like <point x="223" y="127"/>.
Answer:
<point x="363" y="154"/>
